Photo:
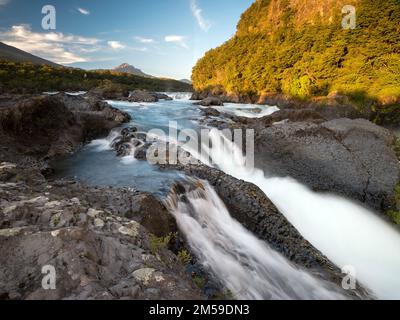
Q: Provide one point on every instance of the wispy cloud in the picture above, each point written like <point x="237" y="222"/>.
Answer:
<point x="83" y="11"/>
<point x="4" y="2"/>
<point x="116" y="45"/>
<point x="145" y="40"/>
<point x="54" y="46"/>
<point x="180" y="40"/>
<point x="197" y="12"/>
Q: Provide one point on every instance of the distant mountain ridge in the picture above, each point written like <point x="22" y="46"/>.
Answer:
<point x="186" y="81"/>
<point x="127" y="68"/>
<point x="14" y="54"/>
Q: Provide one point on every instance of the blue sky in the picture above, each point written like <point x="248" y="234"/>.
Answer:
<point x="161" y="37"/>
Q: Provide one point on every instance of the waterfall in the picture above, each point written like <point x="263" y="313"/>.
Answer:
<point x="106" y="143"/>
<point x="245" y="265"/>
<point x="179" y="95"/>
<point x="346" y="232"/>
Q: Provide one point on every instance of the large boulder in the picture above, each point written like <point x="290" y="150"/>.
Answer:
<point x="353" y="158"/>
<point x="53" y="126"/>
<point x="211" y="112"/>
<point x="142" y="96"/>
<point x="210" y="101"/>
<point x="146" y="96"/>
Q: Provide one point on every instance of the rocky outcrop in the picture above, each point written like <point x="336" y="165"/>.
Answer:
<point x="91" y="237"/>
<point x="47" y="127"/>
<point x="146" y="96"/>
<point x="211" y="112"/>
<point x="210" y="101"/>
<point x="353" y="158"/>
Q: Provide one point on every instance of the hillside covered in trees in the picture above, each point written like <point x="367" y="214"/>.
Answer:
<point x="29" y="77"/>
<point x="300" y="49"/>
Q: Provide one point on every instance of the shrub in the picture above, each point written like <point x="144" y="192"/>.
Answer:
<point x="184" y="257"/>
<point x="159" y="243"/>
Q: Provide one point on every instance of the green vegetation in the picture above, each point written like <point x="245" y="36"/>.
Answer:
<point x="27" y="77"/>
<point x="288" y="47"/>
<point x="184" y="257"/>
<point x="200" y="282"/>
<point x="158" y="243"/>
<point x="395" y="214"/>
<point x="397" y="147"/>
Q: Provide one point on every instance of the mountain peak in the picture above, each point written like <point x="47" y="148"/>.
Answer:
<point x="127" y="68"/>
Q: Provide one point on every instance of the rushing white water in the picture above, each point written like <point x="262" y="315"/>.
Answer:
<point x="349" y="234"/>
<point x="77" y="93"/>
<point x="248" y="267"/>
<point x="248" y="110"/>
<point x="179" y="95"/>
<point x="105" y="144"/>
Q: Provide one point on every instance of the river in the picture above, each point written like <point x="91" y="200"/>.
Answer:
<point x="346" y="232"/>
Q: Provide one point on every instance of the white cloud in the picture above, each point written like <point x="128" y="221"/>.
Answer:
<point x="54" y="46"/>
<point x="197" y="12"/>
<point x="116" y="45"/>
<point x="180" y="40"/>
<point x="84" y="11"/>
<point x="4" y="2"/>
<point x="145" y="40"/>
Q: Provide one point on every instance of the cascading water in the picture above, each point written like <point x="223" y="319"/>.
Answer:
<point x="248" y="110"/>
<point x="179" y="95"/>
<point x="347" y="233"/>
<point x="246" y="266"/>
<point x="105" y="144"/>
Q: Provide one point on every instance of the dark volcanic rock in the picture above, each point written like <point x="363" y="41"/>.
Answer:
<point x="162" y="96"/>
<point x="142" y="96"/>
<point x="81" y="232"/>
<point x="353" y="158"/>
<point x="52" y="126"/>
<point x="146" y="96"/>
<point x="209" y="102"/>
<point x="211" y="112"/>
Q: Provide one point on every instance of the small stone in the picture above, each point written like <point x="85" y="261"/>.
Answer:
<point x="98" y="223"/>
<point x="159" y="278"/>
<point x="55" y="233"/>
<point x="144" y="275"/>
<point x="76" y="201"/>
<point x="130" y="230"/>
<point x="93" y="213"/>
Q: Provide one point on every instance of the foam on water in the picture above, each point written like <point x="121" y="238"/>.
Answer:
<point x="246" y="266"/>
<point x="346" y="232"/>
<point x="248" y="110"/>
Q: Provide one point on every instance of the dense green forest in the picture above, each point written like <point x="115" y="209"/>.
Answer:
<point x="299" y="48"/>
<point x="27" y="77"/>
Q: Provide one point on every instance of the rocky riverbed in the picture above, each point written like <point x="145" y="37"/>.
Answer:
<point x="106" y="243"/>
<point x="101" y="241"/>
